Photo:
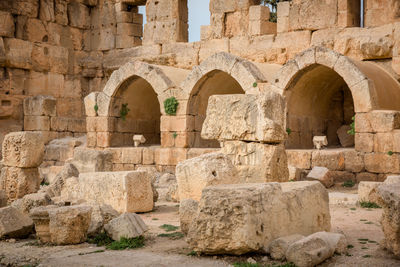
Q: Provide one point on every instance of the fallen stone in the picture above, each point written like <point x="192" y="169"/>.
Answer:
<point x="69" y="225"/>
<point x="316" y="248"/>
<point x="3" y="198"/>
<point x="367" y="192"/>
<point x="154" y="175"/>
<point x="187" y="212"/>
<point x="101" y="215"/>
<point x="14" y="224"/>
<point x="40" y="217"/>
<point x="173" y="193"/>
<point x="31" y="201"/>
<point x="18" y="182"/>
<point x="346" y="139"/>
<point x="89" y="160"/>
<point x="127" y="225"/>
<point x="257" y="162"/>
<point x="197" y="173"/>
<point x="258" y="118"/>
<point x="241" y="218"/>
<point x="320" y="174"/>
<point x="128" y="191"/>
<point x="277" y="249"/>
<point x="162" y="185"/>
<point x="394" y="179"/>
<point x="54" y="189"/>
<point x="390" y="195"/>
<point x="23" y="149"/>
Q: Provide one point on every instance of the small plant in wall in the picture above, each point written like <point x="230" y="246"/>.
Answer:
<point x="96" y="108"/>
<point x="390" y="153"/>
<point x="255" y="84"/>
<point x="352" y="130"/>
<point x="124" y="111"/>
<point x="174" y="135"/>
<point x="171" y="105"/>
<point x="289" y="131"/>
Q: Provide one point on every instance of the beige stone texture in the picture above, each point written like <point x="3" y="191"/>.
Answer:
<point x="7" y="27"/>
<point x="353" y="161"/>
<point x="18" y="53"/>
<point x="169" y="156"/>
<point x="346" y="139"/>
<point x="316" y="248"/>
<point x="299" y="158"/>
<point x="128" y="225"/>
<point x="366" y="176"/>
<point x="90" y="160"/>
<point x="193" y="175"/>
<point x="364" y="142"/>
<point x="36" y="123"/>
<point x="46" y="11"/>
<point x="31" y="201"/>
<point x="18" y="182"/>
<point x="367" y="192"/>
<point x="23" y="149"/>
<point x="14" y="224"/>
<point x="384" y="120"/>
<point x="394" y="179"/>
<point x="101" y="215"/>
<point x="382" y="163"/>
<point x="277" y="249"/>
<point x="78" y="15"/>
<point x="332" y="159"/>
<point x="262" y="120"/>
<point x="322" y="175"/>
<point x="128" y="191"/>
<point x="40" y="106"/>
<point x="218" y="214"/>
<point x="187" y="212"/>
<point x="257" y="162"/>
<point x="342" y="176"/>
<point x="391" y="216"/>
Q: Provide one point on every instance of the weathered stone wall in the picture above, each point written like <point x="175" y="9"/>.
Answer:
<point x="378" y="12"/>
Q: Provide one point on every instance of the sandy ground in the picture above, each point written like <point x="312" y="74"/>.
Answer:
<point x="354" y="222"/>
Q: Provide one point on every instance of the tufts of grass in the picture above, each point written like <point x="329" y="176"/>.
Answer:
<point x="192" y="253"/>
<point x="350" y="246"/>
<point x="100" y="240"/>
<point x="366" y="256"/>
<point x="169" y="227"/>
<point x="348" y="254"/>
<point x="348" y="183"/>
<point x="92" y="252"/>
<point x="155" y="219"/>
<point x="246" y="264"/>
<point x="127" y="243"/>
<point x="363" y="220"/>
<point x="363" y="239"/>
<point x="369" y="205"/>
<point x="364" y="248"/>
<point x="173" y="236"/>
<point x="353" y="209"/>
<point x="369" y="223"/>
<point x="372" y="241"/>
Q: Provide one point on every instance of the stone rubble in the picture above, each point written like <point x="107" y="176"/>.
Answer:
<point x="14" y="223"/>
<point x="128" y="225"/>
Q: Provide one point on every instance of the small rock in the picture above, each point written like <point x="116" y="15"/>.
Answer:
<point x="277" y="249"/>
<point x="187" y="212"/>
<point x="251" y="260"/>
<point x="127" y="225"/>
<point x="14" y="223"/>
<point x="320" y="174"/>
<point x="101" y="215"/>
<point x="31" y="201"/>
<point x="346" y="139"/>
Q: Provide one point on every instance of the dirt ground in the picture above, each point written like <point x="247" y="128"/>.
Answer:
<point x="354" y="222"/>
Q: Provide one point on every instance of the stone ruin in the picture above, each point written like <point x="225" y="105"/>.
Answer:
<point x="103" y="114"/>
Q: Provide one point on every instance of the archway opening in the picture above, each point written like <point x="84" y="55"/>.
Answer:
<point x="320" y="103"/>
<point x="214" y="83"/>
<point x="136" y="110"/>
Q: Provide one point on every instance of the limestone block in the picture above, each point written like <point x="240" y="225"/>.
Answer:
<point x="366" y="176"/>
<point x="54" y="189"/>
<point x="18" y="182"/>
<point x="37" y="123"/>
<point x="294" y="173"/>
<point x="14" y="224"/>
<point x="362" y="123"/>
<point x="382" y="163"/>
<point x="23" y="149"/>
<point x="18" y="53"/>
<point x="128" y="191"/>
<point x="126" y="41"/>
<point x="364" y="142"/>
<point x="393" y="179"/>
<point x="384" y="120"/>
<point x="78" y="15"/>
<point x="245" y="117"/>
<point x="46" y="11"/>
<point x="69" y="225"/>
<point x="346" y="140"/>
<point x="257" y="162"/>
<point x="40" y="106"/>
<point x="299" y="158"/>
<point x="218" y="214"/>
<point x="322" y="175"/>
<point x="35" y="31"/>
<point x="195" y="174"/>
<point x="90" y="160"/>
<point x="7" y="27"/>
<point x="367" y="191"/>
<point x="187" y="212"/>
<point x="342" y="176"/>
<point x="27" y="8"/>
<point x="354" y="161"/>
<point x="277" y="249"/>
<point x="127" y="225"/>
<point x="130" y="29"/>
<point x="391" y="216"/>
<point x="331" y="159"/>
<point x="31" y="201"/>
<point x="316" y="248"/>
<point x="257" y="27"/>
<point x="169" y="156"/>
<point x="3" y="198"/>
<point x="101" y="215"/>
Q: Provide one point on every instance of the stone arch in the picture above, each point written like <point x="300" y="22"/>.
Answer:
<point x="319" y="84"/>
<point x="221" y="73"/>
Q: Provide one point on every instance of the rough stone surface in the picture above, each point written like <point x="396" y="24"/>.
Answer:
<point x="394" y="179"/>
<point x="18" y="182"/>
<point x="367" y="192"/>
<point x="277" y="249"/>
<point x="101" y="215"/>
<point x="69" y="225"/>
<point x="14" y="224"/>
<point x="127" y="225"/>
<point x="346" y="140"/>
<point x="195" y="174"/>
<point x="54" y="189"/>
<point x="237" y="219"/>
<point x="390" y="195"/>
<point x="128" y="191"/>
<point x="246" y="117"/>
<point x="187" y="212"/>
<point x="31" y="201"/>
<point x="322" y="175"/>
<point x="257" y="162"/>
<point x="88" y="160"/>
<point x="23" y="149"/>
<point x="3" y="198"/>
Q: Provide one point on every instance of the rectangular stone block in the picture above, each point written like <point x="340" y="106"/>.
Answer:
<point x="99" y="124"/>
<point x="126" y="41"/>
<point x="364" y="142"/>
<point x="18" y="53"/>
<point x="7" y="27"/>
<point x="36" y="123"/>
<point x="299" y="158"/>
<point x="177" y="123"/>
<point x="90" y="160"/>
<point x="331" y="159"/>
<point x="169" y="156"/>
<point x="23" y="149"/>
<point x="130" y="29"/>
<point x="18" y="182"/>
<point x="259" y="27"/>
<point x="78" y="15"/>
<point x="148" y="156"/>
<point x="40" y="106"/>
<point x="382" y="163"/>
<point x="384" y="120"/>
<point x="128" y="191"/>
<point x="246" y="118"/>
<point x="354" y="161"/>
